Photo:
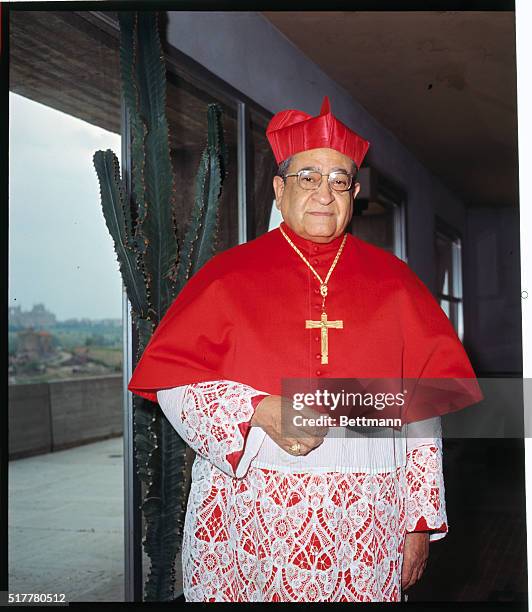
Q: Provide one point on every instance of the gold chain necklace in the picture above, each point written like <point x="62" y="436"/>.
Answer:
<point x="323" y="324"/>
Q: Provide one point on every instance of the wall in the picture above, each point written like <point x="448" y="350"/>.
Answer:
<point x="47" y="417"/>
<point x="249" y="53"/>
<point x="493" y="284"/>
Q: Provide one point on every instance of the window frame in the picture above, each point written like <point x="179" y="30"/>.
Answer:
<point x="394" y="197"/>
<point x="455" y="297"/>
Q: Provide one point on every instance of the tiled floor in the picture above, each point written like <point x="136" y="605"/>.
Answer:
<point x="66" y="532"/>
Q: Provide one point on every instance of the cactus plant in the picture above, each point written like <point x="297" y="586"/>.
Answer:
<point x="143" y="227"/>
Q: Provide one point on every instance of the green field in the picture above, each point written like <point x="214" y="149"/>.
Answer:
<point x="111" y="357"/>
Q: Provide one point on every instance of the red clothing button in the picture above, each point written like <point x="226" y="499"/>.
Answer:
<point x="317" y="306"/>
<point x="316" y="291"/>
<point x="316" y="249"/>
<point x="318" y="355"/>
<point x="317" y="338"/>
<point x="316" y="262"/>
<point x="318" y="372"/>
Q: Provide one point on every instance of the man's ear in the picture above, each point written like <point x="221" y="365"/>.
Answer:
<point x="356" y="190"/>
<point x="278" y="188"/>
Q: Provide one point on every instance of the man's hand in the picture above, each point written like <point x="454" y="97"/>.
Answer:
<point x="415" y="555"/>
<point x="274" y="415"/>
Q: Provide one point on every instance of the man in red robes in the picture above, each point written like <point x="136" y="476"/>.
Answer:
<point x="313" y="513"/>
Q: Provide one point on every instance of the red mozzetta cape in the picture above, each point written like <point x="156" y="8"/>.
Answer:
<point x="242" y="318"/>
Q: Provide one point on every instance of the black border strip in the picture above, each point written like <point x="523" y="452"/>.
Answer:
<point x="4" y="168"/>
<point x="272" y="5"/>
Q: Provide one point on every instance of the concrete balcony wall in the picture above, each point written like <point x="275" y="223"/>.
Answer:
<point x="46" y="417"/>
<point x="29" y="420"/>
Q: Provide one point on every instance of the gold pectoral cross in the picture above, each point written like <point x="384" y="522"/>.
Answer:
<point x="324" y="325"/>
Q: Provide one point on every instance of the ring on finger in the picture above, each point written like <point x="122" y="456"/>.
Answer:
<point x="295" y="448"/>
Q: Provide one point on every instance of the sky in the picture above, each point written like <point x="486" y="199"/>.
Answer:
<point x="60" y="251"/>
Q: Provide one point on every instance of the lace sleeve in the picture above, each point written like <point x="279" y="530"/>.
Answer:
<point x="214" y="418"/>
<point x="424" y="473"/>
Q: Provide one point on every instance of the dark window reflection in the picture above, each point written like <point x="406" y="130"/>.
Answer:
<point x="261" y="170"/>
<point x="187" y="120"/>
<point x="376" y="225"/>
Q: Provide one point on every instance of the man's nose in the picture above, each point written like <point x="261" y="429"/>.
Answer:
<point x="324" y="193"/>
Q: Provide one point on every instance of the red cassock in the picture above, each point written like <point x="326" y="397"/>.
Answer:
<point x="242" y="318"/>
<point x="262" y="525"/>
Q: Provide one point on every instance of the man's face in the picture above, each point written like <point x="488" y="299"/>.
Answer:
<point x="320" y="215"/>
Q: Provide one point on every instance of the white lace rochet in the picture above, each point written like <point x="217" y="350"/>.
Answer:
<point x="262" y="525"/>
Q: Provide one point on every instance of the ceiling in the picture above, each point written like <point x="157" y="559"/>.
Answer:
<point x="443" y="82"/>
<point x="66" y="60"/>
<point x="62" y="60"/>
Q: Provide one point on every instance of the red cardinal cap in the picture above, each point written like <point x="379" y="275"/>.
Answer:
<point x="293" y="131"/>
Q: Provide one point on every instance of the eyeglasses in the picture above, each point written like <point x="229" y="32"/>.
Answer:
<point x="311" y="179"/>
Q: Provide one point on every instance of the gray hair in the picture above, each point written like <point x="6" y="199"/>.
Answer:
<point x="283" y="166"/>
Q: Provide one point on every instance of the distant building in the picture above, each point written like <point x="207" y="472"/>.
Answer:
<point x="34" y="344"/>
<point x="38" y="317"/>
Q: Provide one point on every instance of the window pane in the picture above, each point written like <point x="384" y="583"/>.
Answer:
<point x="65" y="296"/>
<point x="444" y="264"/>
<point x="187" y="120"/>
<point x="448" y="279"/>
<point x="457" y="267"/>
<point x="262" y="169"/>
<point x="376" y="225"/>
<point x="446" y="306"/>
